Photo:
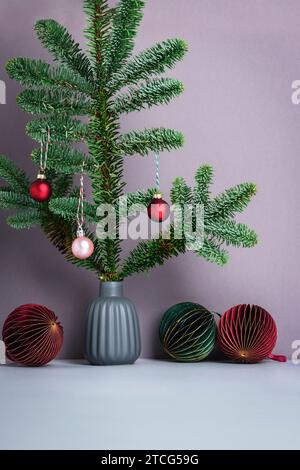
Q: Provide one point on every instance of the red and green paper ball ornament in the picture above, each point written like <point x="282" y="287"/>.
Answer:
<point x="32" y="335"/>
<point x="158" y="209"/>
<point x="188" y="332"/>
<point x="248" y="334"/>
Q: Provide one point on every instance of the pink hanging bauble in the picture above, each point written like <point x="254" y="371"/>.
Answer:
<point x="82" y="247"/>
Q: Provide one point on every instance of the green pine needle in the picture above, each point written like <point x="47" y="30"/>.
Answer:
<point x="62" y="46"/>
<point x="150" y="253"/>
<point x="36" y="73"/>
<point x="137" y="198"/>
<point x="180" y="193"/>
<point x="13" y="176"/>
<point x="203" y="180"/>
<point x="44" y="101"/>
<point x="66" y="207"/>
<point x="62" y="128"/>
<point x="26" y="219"/>
<point x="153" y="61"/>
<point x="213" y="253"/>
<point x="150" y="140"/>
<point x="14" y="200"/>
<point x="65" y="160"/>
<point x="232" y="233"/>
<point x="125" y="22"/>
<point x="153" y="92"/>
<point x="98" y="31"/>
<point x="230" y="202"/>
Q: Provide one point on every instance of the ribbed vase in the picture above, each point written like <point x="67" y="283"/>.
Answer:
<point x="112" y="333"/>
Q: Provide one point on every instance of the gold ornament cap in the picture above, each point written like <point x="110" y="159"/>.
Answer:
<point x="41" y="175"/>
<point x="158" y="195"/>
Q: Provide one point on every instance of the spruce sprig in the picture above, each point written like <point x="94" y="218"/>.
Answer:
<point x="101" y="84"/>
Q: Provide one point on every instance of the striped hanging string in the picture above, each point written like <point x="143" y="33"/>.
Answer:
<point x="157" y="180"/>
<point x="44" y="158"/>
<point x="80" y="212"/>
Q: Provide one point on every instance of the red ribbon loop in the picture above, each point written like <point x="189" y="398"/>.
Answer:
<point x="278" y="358"/>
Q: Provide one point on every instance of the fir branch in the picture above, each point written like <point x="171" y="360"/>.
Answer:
<point x="153" y="92"/>
<point x="62" y="46"/>
<point x="150" y="140"/>
<point x="66" y="207"/>
<point x="61" y="233"/>
<point x="98" y="34"/>
<point x="213" y="253"/>
<point x="150" y="253"/>
<point x="232" y="233"/>
<point x="80" y="87"/>
<point x="181" y="197"/>
<point x="14" y="200"/>
<point x="181" y="193"/>
<point x="45" y="101"/>
<point x="13" y="176"/>
<point x="107" y="181"/>
<point x="25" y="219"/>
<point x="141" y="197"/>
<point x="111" y="254"/>
<point x="61" y="185"/>
<point x="99" y="255"/>
<point x="65" y="160"/>
<point x="153" y="61"/>
<point x="63" y="129"/>
<point x="230" y="202"/>
<point x="125" y="22"/>
<point x="37" y="73"/>
<point x="203" y="179"/>
<point x="107" y="178"/>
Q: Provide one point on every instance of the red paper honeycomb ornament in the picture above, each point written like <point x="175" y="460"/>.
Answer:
<point x="248" y="333"/>
<point x="32" y="335"/>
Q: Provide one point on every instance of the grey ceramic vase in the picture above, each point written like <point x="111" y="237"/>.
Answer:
<point x="112" y="333"/>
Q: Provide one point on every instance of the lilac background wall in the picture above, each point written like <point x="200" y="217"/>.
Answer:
<point x="236" y="114"/>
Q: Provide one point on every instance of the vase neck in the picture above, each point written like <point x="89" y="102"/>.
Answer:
<point x="111" y="289"/>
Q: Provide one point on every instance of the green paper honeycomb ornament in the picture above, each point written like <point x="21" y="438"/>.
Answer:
<point x="188" y="332"/>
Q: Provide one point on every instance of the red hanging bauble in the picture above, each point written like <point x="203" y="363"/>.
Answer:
<point x="32" y="335"/>
<point x="248" y="333"/>
<point x="40" y="190"/>
<point x="158" y="209"/>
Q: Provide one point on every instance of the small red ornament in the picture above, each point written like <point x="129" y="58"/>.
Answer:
<point x="32" y="335"/>
<point x="40" y="190"/>
<point x="158" y="209"/>
<point x="248" y="333"/>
